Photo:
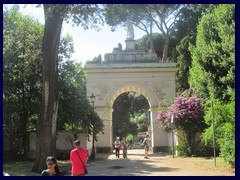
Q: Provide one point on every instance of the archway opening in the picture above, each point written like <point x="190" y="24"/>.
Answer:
<point x="131" y="118"/>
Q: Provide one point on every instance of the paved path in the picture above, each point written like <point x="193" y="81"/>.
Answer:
<point x="136" y="165"/>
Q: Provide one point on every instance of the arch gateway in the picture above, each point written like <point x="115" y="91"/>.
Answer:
<point x="131" y="70"/>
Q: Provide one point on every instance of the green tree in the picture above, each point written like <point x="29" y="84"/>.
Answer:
<point x="213" y="66"/>
<point x="184" y="32"/>
<point x="22" y="83"/>
<point x="213" y="73"/>
<point x="189" y="17"/>
<point x="158" y="42"/>
<point x="184" y="62"/>
<point x="21" y="77"/>
<point x="144" y="16"/>
<point x="142" y="121"/>
<point x="95" y="60"/>
<point x="75" y="112"/>
<point x="224" y="125"/>
<point x="121" y="116"/>
<point x="86" y="15"/>
<point x="118" y="14"/>
<point x="66" y="49"/>
<point x="166" y="15"/>
<point x="138" y="103"/>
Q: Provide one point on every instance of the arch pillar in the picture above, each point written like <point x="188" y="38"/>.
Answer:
<point x="104" y="143"/>
<point x="158" y="133"/>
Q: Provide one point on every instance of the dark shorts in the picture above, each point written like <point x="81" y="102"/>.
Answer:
<point x="147" y="148"/>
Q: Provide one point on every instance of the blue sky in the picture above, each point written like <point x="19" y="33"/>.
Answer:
<point x="89" y="43"/>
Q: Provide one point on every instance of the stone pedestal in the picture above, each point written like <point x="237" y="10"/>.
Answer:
<point x="129" y="54"/>
<point x="130" y="45"/>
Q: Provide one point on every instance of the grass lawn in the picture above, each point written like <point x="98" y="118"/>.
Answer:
<point x="19" y="168"/>
<point x="24" y="168"/>
<point x="208" y="164"/>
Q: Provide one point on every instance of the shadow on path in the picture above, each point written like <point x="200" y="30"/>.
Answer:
<point x="134" y="165"/>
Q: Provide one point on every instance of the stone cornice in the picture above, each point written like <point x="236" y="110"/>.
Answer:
<point x="131" y="67"/>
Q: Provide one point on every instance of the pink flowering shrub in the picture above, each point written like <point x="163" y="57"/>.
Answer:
<point x="188" y="116"/>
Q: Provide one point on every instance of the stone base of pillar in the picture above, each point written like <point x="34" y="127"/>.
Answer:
<point x="130" y="45"/>
<point x="165" y="149"/>
<point x="104" y="150"/>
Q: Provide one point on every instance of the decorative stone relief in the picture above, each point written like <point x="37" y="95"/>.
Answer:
<point x="102" y="89"/>
<point x="158" y="89"/>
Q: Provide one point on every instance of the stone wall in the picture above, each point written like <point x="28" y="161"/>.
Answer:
<point x="64" y="144"/>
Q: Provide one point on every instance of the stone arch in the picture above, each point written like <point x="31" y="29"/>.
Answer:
<point x="154" y="81"/>
<point x="139" y="88"/>
<point x="136" y="87"/>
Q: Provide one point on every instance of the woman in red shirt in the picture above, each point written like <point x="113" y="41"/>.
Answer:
<point x="77" y="163"/>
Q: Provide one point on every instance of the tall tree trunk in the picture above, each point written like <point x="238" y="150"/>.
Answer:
<point x="46" y="143"/>
<point x="165" y="48"/>
<point x="152" y="48"/>
<point x="191" y="139"/>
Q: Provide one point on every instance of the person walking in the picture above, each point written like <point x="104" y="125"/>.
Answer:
<point x="117" y="145"/>
<point x="53" y="169"/>
<point x="78" y="158"/>
<point x="146" y="143"/>
<point x="124" y="147"/>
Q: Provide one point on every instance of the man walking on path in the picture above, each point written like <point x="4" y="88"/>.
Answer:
<point x="77" y="163"/>
<point x="117" y="145"/>
<point x="146" y="143"/>
<point x="124" y="147"/>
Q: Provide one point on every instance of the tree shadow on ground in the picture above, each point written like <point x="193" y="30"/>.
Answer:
<point x="126" y="167"/>
<point x="135" y="165"/>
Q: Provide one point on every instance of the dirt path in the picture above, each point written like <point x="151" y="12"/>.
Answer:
<point x="157" y="165"/>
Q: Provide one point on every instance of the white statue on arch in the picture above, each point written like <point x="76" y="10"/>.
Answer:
<point x="130" y="31"/>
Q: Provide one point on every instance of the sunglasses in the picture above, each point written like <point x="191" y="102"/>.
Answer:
<point x="51" y="164"/>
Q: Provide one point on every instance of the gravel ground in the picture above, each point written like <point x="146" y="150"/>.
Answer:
<point x="156" y="165"/>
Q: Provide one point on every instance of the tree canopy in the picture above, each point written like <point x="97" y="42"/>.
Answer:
<point x="145" y="16"/>
<point x="22" y="61"/>
<point x="213" y="74"/>
<point x="28" y="61"/>
<point x="214" y="54"/>
<point x="84" y="15"/>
